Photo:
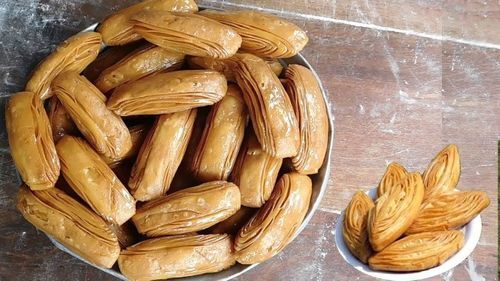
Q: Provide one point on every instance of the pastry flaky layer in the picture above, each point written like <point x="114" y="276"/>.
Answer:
<point x="73" y="225"/>
<point x="443" y="173"/>
<point x="418" y="251"/>
<point x="188" y="210"/>
<point x="86" y="105"/>
<point x="276" y="223"/>
<point x="355" y="226"/>
<point x="221" y="139"/>
<point x="263" y="34"/>
<point x="395" y="211"/>
<point x="392" y="176"/>
<point x="30" y="140"/>
<point x="118" y="30"/>
<point x="188" y="34"/>
<point x="168" y="92"/>
<point x="91" y="178"/>
<point x="310" y="110"/>
<point x="158" y="158"/>
<point x="74" y="54"/>
<point x="177" y="256"/>
<point x="270" y="109"/>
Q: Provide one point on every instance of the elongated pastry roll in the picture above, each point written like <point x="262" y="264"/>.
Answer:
<point x="94" y="181"/>
<point x="188" y="210"/>
<point x="104" y="130"/>
<point x="70" y="223"/>
<point x="355" y="232"/>
<point x="275" y="224"/>
<point x="177" y="256"/>
<point x="117" y="29"/>
<point x="187" y="34"/>
<point x="221" y="139"/>
<point x="74" y="54"/>
<point x="30" y="139"/>
<point x="159" y="159"/>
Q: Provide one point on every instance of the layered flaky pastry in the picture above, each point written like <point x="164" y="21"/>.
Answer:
<point x="355" y="232"/>
<point x="188" y="210"/>
<point x="443" y="173"/>
<point x="117" y="28"/>
<point x="276" y="223"/>
<point x="60" y="120"/>
<point x="73" y="225"/>
<point x="310" y="110"/>
<point x="392" y="176"/>
<point x="140" y="63"/>
<point x="270" y="109"/>
<point x="91" y="178"/>
<point x="161" y="154"/>
<point x="74" y="54"/>
<point x="263" y="34"/>
<point x="30" y="140"/>
<point x="221" y="139"/>
<point x="177" y="256"/>
<point x="187" y="34"/>
<point x="168" y="92"/>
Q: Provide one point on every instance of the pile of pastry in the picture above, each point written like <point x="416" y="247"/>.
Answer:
<point x="414" y="223"/>
<point x="180" y="150"/>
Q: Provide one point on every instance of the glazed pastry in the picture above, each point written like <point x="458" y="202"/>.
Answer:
<point x="395" y="211"/>
<point x="263" y="34"/>
<point x="158" y="160"/>
<point x="176" y="256"/>
<point x="392" y="176"/>
<point x="104" y="130"/>
<point x="70" y="223"/>
<point x="310" y="110"/>
<point x="140" y="63"/>
<point x="168" y="92"/>
<point x="30" y="140"/>
<point x="221" y="139"/>
<point x="442" y="174"/>
<point x="74" y="54"/>
<point x="355" y="220"/>
<point x="138" y="134"/>
<point x="188" y="34"/>
<point x="233" y="224"/>
<point x="94" y="181"/>
<point x="117" y="29"/>
<point x="276" y="223"/>
<point x="255" y="172"/>
<point x="60" y="121"/>
<point x="191" y="209"/>
<point x="270" y="109"/>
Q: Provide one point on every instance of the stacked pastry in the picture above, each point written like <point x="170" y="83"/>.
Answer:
<point x="180" y="149"/>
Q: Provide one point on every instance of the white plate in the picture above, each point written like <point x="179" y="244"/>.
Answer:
<point x="472" y="232"/>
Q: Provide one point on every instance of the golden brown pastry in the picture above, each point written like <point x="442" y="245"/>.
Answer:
<point x="138" y="134"/>
<point x="74" y="54"/>
<point x="94" y="181"/>
<point x="176" y="256"/>
<point x="70" y="223"/>
<point x="168" y="92"/>
<point x="159" y="159"/>
<point x="255" y="172"/>
<point x="418" y="252"/>
<point x="30" y="140"/>
<point x="233" y="224"/>
<point x="263" y="34"/>
<point x="187" y="34"/>
<point x="395" y="211"/>
<point x="60" y="121"/>
<point x="140" y="63"/>
<point x="276" y="223"/>
<point x="392" y="176"/>
<point x="442" y="174"/>
<point x="104" y="130"/>
<point x="355" y="220"/>
<point x="449" y="211"/>
<point x="117" y="29"/>
<point x="227" y="66"/>
<point x="221" y="139"/>
<point x="191" y="209"/>
<point x="270" y="109"/>
<point x="310" y="110"/>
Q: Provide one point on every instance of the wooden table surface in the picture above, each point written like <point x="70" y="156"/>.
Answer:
<point x="404" y="78"/>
